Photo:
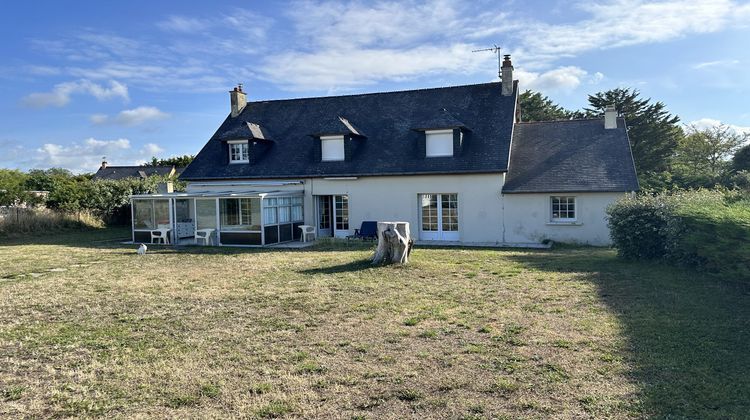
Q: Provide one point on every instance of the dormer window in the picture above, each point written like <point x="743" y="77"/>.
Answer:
<point x="332" y="148"/>
<point x="239" y="151"/>
<point x="439" y="143"/>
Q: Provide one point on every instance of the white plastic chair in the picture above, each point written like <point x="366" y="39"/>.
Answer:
<point x="307" y="231"/>
<point x="205" y="236"/>
<point x="161" y="234"/>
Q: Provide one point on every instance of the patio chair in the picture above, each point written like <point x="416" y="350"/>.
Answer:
<point x="161" y="234"/>
<point x="368" y="230"/>
<point x="307" y="231"/>
<point x="205" y="236"/>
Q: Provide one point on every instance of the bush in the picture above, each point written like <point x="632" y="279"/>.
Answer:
<point x="709" y="230"/>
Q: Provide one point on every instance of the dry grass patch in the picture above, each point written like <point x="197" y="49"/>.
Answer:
<point x="99" y="331"/>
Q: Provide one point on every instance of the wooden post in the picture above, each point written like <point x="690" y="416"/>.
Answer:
<point x="394" y="243"/>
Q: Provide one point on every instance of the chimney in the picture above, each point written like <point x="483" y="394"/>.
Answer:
<point x="238" y="100"/>
<point x="506" y="72"/>
<point x="104" y="162"/>
<point x="610" y="117"/>
<point x="164" y="187"/>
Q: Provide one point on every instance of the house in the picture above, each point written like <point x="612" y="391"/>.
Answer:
<point x="455" y="162"/>
<point x="121" y="172"/>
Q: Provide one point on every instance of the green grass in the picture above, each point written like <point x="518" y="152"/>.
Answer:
<point x="90" y="329"/>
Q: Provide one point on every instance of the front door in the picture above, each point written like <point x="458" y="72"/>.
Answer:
<point x="439" y="218"/>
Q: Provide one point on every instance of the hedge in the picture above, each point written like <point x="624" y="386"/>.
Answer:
<point x="707" y="230"/>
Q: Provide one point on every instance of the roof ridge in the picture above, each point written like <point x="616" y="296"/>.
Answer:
<point x="557" y="121"/>
<point x="374" y="93"/>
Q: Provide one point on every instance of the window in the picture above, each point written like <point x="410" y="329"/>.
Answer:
<point x="332" y="148"/>
<point x="238" y="152"/>
<point x="341" y="204"/>
<point x="563" y="209"/>
<point x="240" y="214"/>
<point x="439" y="143"/>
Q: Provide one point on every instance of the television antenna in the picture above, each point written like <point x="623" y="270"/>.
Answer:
<point x="495" y="50"/>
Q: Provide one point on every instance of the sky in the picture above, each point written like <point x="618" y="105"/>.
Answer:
<point x="80" y="80"/>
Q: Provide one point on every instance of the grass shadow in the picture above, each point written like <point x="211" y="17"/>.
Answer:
<point x="688" y="335"/>
<point x="357" y="265"/>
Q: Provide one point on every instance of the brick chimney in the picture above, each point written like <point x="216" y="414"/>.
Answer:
<point x="506" y="72"/>
<point x="238" y="100"/>
<point x="610" y="117"/>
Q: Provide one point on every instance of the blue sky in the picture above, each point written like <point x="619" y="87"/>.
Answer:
<point x="128" y="80"/>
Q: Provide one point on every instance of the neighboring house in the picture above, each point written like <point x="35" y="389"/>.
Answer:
<point x="455" y="162"/>
<point x="121" y="172"/>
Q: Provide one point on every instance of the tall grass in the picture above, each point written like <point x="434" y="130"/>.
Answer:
<point x="23" y="221"/>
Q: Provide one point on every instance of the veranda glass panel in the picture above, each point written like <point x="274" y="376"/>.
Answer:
<point x="240" y="214"/>
<point x="161" y="213"/>
<point x="205" y="214"/>
<point x="143" y="214"/>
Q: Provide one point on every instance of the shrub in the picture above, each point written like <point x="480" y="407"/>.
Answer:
<point x="709" y="230"/>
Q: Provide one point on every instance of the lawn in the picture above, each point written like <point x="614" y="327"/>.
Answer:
<point x="89" y="328"/>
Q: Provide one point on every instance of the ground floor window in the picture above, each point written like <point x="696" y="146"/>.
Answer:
<point x="439" y="216"/>
<point x="563" y="208"/>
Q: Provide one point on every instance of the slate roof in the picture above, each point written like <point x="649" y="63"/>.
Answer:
<point x="570" y="156"/>
<point x="387" y="144"/>
<point x="122" y="172"/>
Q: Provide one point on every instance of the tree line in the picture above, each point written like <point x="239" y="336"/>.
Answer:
<point x="667" y="155"/>
<point x="68" y="192"/>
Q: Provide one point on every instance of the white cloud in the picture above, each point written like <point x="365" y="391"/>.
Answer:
<point x="183" y="24"/>
<point x="704" y="123"/>
<point x="715" y="64"/>
<point x="559" y="79"/>
<point x="334" y="69"/>
<point x="130" y="117"/>
<point x="79" y="157"/>
<point x="613" y="24"/>
<point x="61" y="93"/>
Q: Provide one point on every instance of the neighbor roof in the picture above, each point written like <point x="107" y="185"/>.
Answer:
<point x="122" y="172"/>
<point x="570" y="156"/>
<point x="383" y="126"/>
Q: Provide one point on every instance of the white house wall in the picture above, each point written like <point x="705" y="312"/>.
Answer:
<point x="527" y="218"/>
<point x="485" y="215"/>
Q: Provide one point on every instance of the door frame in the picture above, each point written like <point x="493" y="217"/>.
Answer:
<point x="321" y="232"/>
<point x="440" y="234"/>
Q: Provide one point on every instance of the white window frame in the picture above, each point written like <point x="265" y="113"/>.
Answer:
<point x="334" y="145"/>
<point x="567" y="202"/>
<point x="438" y="143"/>
<point x="245" y="153"/>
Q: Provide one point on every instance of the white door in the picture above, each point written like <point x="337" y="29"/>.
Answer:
<point x="341" y="216"/>
<point x="325" y="215"/>
<point x="439" y="218"/>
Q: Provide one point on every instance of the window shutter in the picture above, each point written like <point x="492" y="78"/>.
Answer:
<point x="440" y="143"/>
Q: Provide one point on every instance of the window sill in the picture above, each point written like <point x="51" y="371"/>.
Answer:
<point x="233" y="162"/>
<point x="571" y="223"/>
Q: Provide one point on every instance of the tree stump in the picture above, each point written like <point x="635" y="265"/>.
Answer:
<point x="394" y="243"/>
